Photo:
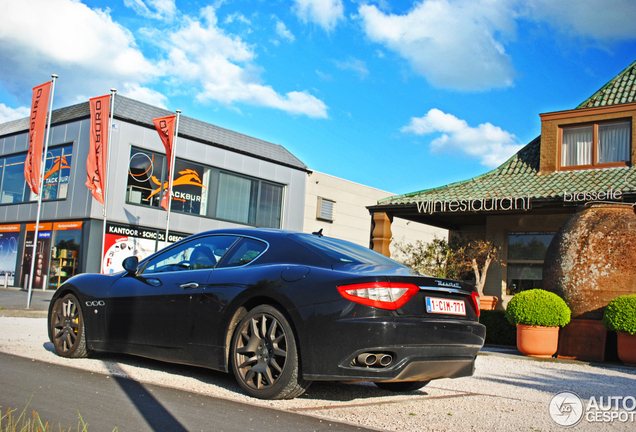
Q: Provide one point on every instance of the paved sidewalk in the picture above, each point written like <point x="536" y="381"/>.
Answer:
<point x="13" y="302"/>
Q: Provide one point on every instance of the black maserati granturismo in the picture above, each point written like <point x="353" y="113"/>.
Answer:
<point x="279" y="309"/>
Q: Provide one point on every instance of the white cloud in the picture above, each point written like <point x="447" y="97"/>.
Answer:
<point x="460" y="44"/>
<point x="8" y="114"/>
<point x="91" y="54"/>
<point x="222" y="68"/>
<point x="84" y="47"/>
<point x="237" y="16"/>
<point x="144" y="94"/>
<point x="325" y="13"/>
<point x="324" y="76"/>
<point x="605" y="20"/>
<point x="489" y="143"/>
<point x="454" y="44"/>
<point x="157" y="9"/>
<point x="355" y="65"/>
<point x="283" y="31"/>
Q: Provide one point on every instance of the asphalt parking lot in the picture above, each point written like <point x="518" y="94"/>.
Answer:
<point x="507" y="392"/>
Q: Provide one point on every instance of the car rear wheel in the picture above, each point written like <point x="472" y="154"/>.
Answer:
<point x="401" y="386"/>
<point x="265" y="357"/>
<point x="66" y="328"/>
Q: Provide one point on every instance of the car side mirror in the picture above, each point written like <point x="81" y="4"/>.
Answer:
<point x="131" y="264"/>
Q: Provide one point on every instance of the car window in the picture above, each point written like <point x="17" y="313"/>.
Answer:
<point x="343" y="252"/>
<point x="197" y="254"/>
<point x="244" y="252"/>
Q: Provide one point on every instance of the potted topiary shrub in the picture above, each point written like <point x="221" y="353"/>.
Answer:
<point x="538" y="314"/>
<point x="620" y="316"/>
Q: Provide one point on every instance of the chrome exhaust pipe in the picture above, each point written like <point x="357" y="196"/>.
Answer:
<point x="367" y="359"/>
<point x="385" y="360"/>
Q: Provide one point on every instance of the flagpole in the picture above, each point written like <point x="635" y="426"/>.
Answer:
<point x="105" y="191"/>
<point x="171" y="175"/>
<point x="37" y="220"/>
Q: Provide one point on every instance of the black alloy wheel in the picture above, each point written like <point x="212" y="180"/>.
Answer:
<point x="407" y="386"/>
<point x="265" y="357"/>
<point x="66" y="328"/>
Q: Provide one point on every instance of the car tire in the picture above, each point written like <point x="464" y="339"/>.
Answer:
<point x="264" y="355"/>
<point x="400" y="387"/>
<point x="66" y="328"/>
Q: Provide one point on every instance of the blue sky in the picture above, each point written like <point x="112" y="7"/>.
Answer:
<point x="398" y="95"/>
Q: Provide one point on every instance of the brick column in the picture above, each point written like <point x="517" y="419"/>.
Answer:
<point x="381" y="234"/>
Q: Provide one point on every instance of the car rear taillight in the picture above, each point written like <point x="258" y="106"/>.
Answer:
<point x="474" y="302"/>
<point x="381" y="295"/>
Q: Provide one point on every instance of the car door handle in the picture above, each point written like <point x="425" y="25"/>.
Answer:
<point x="190" y="285"/>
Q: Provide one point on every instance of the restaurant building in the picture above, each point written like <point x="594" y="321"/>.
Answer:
<point x="221" y="179"/>
<point x="583" y="154"/>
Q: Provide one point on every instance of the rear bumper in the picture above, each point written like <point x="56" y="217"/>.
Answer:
<point x="420" y="350"/>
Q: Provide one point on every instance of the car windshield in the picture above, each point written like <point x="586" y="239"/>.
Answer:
<point x="344" y="252"/>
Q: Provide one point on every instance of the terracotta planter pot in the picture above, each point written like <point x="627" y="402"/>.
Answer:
<point x="627" y="348"/>
<point x="488" y="302"/>
<point x="541" y="342"/>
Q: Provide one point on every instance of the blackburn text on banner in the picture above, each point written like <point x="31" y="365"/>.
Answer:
<point x="97" y="154"/>
<point x="37" y="125"/>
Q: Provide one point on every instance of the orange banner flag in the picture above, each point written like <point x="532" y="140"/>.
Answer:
<point x="98" y="152"/>
<point x="37" y="125"/>
<point x="165" y="126"/>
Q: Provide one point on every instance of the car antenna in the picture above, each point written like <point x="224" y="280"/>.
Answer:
<point x="318" y="233"/>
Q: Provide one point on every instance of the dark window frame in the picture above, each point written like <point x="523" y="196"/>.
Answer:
<point x="520" y="261"/>
<point x="594" y="157"/>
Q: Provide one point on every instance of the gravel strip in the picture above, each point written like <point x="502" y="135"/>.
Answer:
<point x="507" y="392"/>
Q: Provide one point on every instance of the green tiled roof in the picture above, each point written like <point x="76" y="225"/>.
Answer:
<point x="519" y="176"/>
<point x="621" y="89"/>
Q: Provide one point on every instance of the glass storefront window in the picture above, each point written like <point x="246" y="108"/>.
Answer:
<point x="249" y="201"/>
<point x="190" y="188"/>
<point x="57" y="172"/>
<point x="528" y="246"/>
<point x="9" y="235"/>
<point x="13" y="184"/>
<point x="64" y="255"/>
<point x="523" y="277"/>
<point x="145" y="178"/>
<point x="526" y="252"/>
<point x="270" y="206"/>
<point x="236" y="198"/>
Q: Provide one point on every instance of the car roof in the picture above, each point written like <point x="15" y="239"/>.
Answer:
<point x="263" y="233"/>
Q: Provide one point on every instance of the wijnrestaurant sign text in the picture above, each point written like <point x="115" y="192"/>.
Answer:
<point x="508" y="203"/>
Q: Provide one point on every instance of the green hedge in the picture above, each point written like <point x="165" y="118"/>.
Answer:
<point x="620" y="314"/>
<point x="498" y="330"/>
<point x="538" y="307"/>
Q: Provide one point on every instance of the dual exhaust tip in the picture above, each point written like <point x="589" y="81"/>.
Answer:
<point x="374" y="360"/>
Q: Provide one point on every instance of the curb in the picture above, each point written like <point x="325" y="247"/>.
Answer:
<point x="23" y="313"/>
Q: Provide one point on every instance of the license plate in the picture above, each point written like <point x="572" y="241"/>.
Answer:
<point x="445" y="306"/>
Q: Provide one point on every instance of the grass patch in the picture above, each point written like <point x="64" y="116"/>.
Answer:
<point x="23" y="423"/>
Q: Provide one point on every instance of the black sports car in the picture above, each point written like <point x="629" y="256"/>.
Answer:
<point x="279" y="309"/>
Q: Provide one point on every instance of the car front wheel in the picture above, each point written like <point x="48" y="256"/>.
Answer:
<point x="66" y="328"/>
<point x="265" y="356"/>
